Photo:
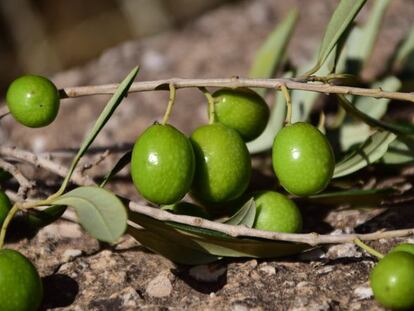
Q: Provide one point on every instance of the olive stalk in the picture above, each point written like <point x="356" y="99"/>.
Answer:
<point x="288" y="100"/>
<point x="368" y="249"/>
<point x="6" y="223"/>
<point x="171" y="101"/>
<point x="210" y="103"/>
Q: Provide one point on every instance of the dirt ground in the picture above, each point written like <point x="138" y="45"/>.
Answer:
<point x="82" y="274"/>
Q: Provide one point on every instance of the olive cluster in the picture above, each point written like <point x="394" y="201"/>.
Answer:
<point x="214" y="164"/>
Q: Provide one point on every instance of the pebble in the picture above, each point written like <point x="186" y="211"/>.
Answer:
<point x="363" y="292"/>
<point x="269" y="270"/>
<point x="160" y="286"/>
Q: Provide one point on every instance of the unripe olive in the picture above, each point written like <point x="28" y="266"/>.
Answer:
<point x="303" y="159"/>
<point x="162" y="164"/>
<point x="33" y="100"/>
<point x="243" y="110"/>
<point x="223" y="165"/>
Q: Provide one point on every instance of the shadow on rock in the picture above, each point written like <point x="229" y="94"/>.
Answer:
<point x="59" y="291"/>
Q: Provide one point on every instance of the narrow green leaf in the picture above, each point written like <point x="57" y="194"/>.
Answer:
<point x="405" y="54"/>
<point x="100" y="212"/>
<point x="109" y="109"/>
<point x="271" y="53"/>
<point x="374" y="107"/>
<point x="244" y="215"/>
<point x="362" y="39"/>
<point x="122" y="162"/>
<point x="400" y="151"/>
<point x="216" y="243"/>
<point x="341" y="19"/>
<point x="354" y="197"/>
<point x="39" y="219"/>
<point x="276" y="122"/>
<point x="163" y="245"/>
<point x="369" y="152"/>
<point x="353" y="111"/>
<point x="353" y="132"/>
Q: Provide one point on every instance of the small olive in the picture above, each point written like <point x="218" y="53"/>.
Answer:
<point x="303" y="159"/>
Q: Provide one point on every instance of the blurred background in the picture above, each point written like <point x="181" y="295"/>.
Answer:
<point x="47" y="36"/>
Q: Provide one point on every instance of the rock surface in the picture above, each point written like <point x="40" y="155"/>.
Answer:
<point x="82" y="274"/>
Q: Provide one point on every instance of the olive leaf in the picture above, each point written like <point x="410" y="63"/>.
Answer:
<point x="100" y="212"/>
<point x="341" y="19"/>
<point x="353" y="132"/>
<point x="244" y="215"/>
<point x="109" y="109"/>
<point x="353" y="197"/>
<point x="356" y="113"/>
<point x="404" y="56"/>
<point x="216" y="243"/>
<point x="276" y="121"/>
<point x="270" y="54"/>
<point x="38" y="219"/>
<point x="168" y="248"/>
<point x="119" y="165"/>
<point x="367" y="153"/>
<point x="362" y="39"/>
<point x="400" y="151"/>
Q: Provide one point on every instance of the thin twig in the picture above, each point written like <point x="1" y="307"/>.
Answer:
<point x="46" y="163"/>
<point x="234" y="231"/>
<point x="25" y="184"/>
<point x="233" y="83"/>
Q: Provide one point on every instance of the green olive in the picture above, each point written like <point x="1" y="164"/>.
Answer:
<point x="276" y="212"/>
<point x="33" y="100"/>
<point x="303" y="159"/>
<point x="392" y="281"/>
<point x="5" y="206"/>
<point x="242" y="110"/>
<point x="404" y="247"/>
<point x="223" y="165"/>
<point x="20" y="284"/>
<point x="162" y="164"/>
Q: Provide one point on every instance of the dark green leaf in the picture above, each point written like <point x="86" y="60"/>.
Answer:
<point x="122" y="162"/>
<point x="100" y="212"/>
<point x="341" y="19"/>
<point x="39" y="219"/>
<point x="355" y="197"/>
<point x="168" y="248"/>
<point x="367" y="153"/>
<point x="109" y="109"/>
<point x="217" y="243"/>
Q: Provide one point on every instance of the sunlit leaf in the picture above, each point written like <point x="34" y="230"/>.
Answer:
<point x="400" y="151"/>
<point x="109" y="109"/>
<point x="271" y="53"/>
<point x="362" y="39"/>
<point x="341" y="19"/>
<point x="276" y="121"/>
<point x="244" y="215"/>
<point x="369" y="152"/>
<point x="100" y="212"/>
